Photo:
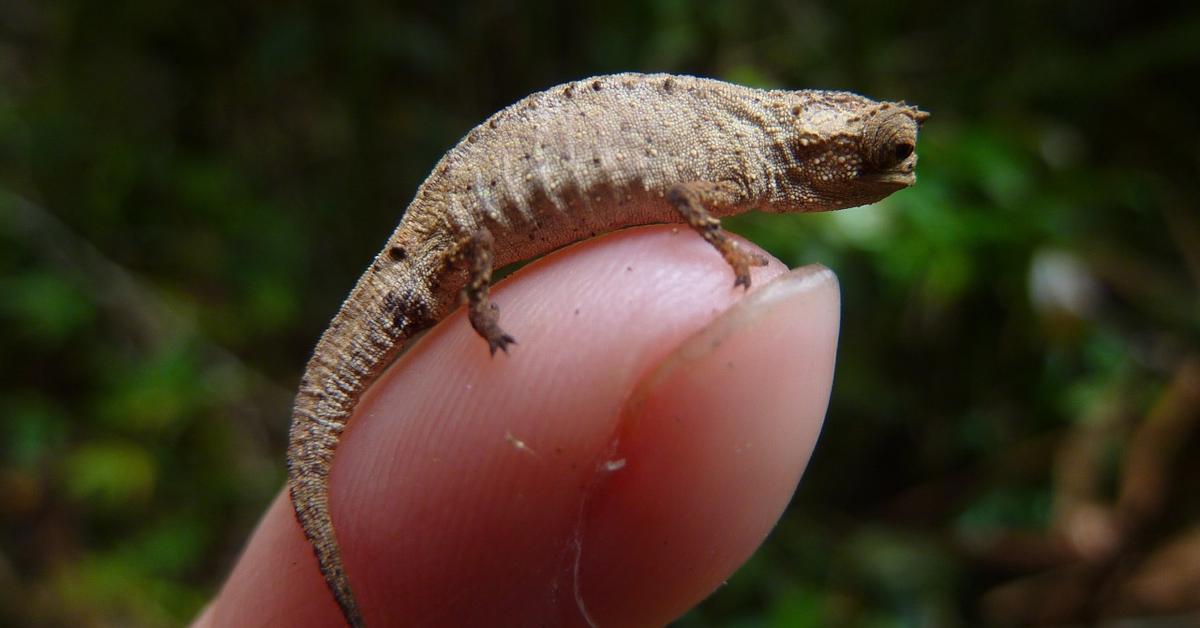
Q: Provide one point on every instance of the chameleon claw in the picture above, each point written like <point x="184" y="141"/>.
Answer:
<point x="741" y="260"/>
<point x="500" y="343"/>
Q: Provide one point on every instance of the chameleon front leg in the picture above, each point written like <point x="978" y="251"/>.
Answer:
<point x="475" y="253"/>
<point x="690" y="198"/>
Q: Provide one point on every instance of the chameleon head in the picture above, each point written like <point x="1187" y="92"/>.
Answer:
<point x="848" y="151"/>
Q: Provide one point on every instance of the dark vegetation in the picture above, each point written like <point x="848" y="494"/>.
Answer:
<point x="187" y="190"/>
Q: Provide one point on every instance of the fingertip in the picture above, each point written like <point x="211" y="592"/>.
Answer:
<point x="463" y="475"/>
<point x="478" y="471"/>
<point x="712" y="445"/>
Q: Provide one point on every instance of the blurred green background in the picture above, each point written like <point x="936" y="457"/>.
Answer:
<point x="188" y="190"/>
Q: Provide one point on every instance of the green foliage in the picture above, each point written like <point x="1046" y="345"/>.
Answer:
<point x="45" y="306"/>
<point x="108" y="477"/>
<point x="187" y="189"/>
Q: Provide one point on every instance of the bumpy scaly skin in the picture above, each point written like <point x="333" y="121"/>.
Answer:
<point x="563" y="165"/>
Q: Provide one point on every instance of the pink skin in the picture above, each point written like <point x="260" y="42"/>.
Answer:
<point x="627" y="456"/>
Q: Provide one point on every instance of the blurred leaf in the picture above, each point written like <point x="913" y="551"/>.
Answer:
<point x="801" y="609"/>
<point x="109" y="475"/>
<point x="153" y="395"/>
<point x="45" y="306"/>
<point x="32" y="429"/>
<point x="1005" y="508"/>
<point x="170" y="548"/>
<point x="903" y="569"/>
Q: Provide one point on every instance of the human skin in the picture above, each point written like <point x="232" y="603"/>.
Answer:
<point x="614" y="469"/>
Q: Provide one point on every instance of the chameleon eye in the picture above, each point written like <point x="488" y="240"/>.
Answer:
<point x="888" y="138"/>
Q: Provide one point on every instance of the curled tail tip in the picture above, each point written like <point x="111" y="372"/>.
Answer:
<point x="339" y="586"/>
<point x="351" y="614"/>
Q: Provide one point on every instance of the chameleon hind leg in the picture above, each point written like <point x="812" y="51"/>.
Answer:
<point x="475" y="253"/>
<point x="690" y="199"/>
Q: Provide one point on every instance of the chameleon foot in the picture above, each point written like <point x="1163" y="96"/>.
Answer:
<point x="740" y="259"/>
<point x="483" y="314"/>
<point x="689" y="199"/>
<point x="484" y="317"/>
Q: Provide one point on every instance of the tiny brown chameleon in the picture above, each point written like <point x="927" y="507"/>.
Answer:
<point x="561" y="166"/>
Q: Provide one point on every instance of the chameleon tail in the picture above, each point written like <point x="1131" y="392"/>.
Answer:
<point x="310" y="453"/>
<point x="364" y="337"/>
